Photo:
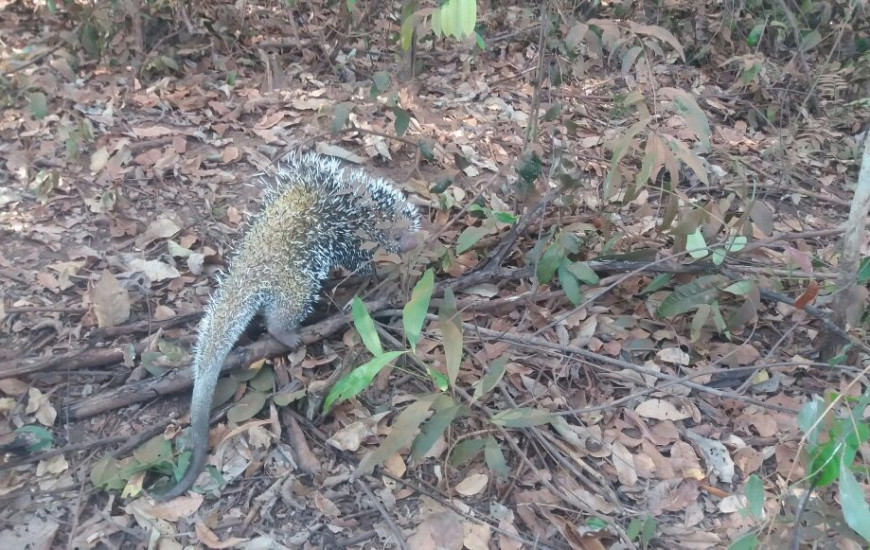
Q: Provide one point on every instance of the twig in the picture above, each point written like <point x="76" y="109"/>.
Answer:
<point x="181" y="379"/>
<point x="796" y="537"/>
<point x="75" y="310"/>
<point x="72" y="447"/>
<point x="504" y="247"/>
<point x="532" y="132"/>
<point x="41" y="56"/>
<point x="597" y="359"/>
<point x="397" y="534"/>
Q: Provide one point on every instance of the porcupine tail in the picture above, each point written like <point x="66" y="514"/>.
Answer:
<point x="226" y="318"/>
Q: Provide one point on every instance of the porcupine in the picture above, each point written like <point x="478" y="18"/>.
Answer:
<point x="316" y="216"/>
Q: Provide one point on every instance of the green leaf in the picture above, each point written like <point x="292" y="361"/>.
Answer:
<point x="740" y="288"/>
<point x="493" y="376"/>
<point x="737" y="244"/>
<point x="402" y="433"/>
<point x="365" y="326"/>
<point x="660" y="33"/>
<point x="434" y="428"/>
<point x="479" y="41"/>
<point x="470" y="236"/>
<point x="38" y="105"/>
<point x="382" y="80"/>
<point x="427" y="149"/>
<point x="749" y="541"/>
<point x="856" y="512"/>
<point x="659" y="281"/>
<point x="620" y="146"/>
<point x="90" y="40"/>
<point x="569" y="283"/>
<point x="340" y="115"/>
<point x="755" y="34"/>
<point x="246" y="375"/>
<point x="451" y="331"/>
<point x="285" y="398"/>
<point x="552" y="113"/>
<point x="495" y="458"/>
<point x="595" y="523"/>
<point x="247" y="407"/>
<point x="403" y="120"/>
<point x="633" y="529"/>
<point x="696" y="246"/>
<point x="465" y="451"/>
<point x="649" y="531"/>
<point x="407" y="32"/>
<point x="41" y="437"/>
<point x="628" y="59"/>
<point x="695" y="118"/>
<point x="702" y="290"/>
<point x="689" y="158"/>
<point x="505" y="217"/>
<point x="522" y="417"/>
<point x="864" y="271"/>
<point x="718" y="320"/>
<point x="529" y="168"/>
<point x="698" y="321"/>
<point x="264" y="381"/>
<point x="437" y="24"/>
<point x="358" y="379"/>
<point x="439" y="379"/>
<point x="825" y="464"/>
<point x="457" y="18"/>
<point x="414" y="312"/>
<point x="154" y="451"/>
<point x="106" y="473"/>
<point x="810" y="40"/>
<point x="584" y="273"/>
<point x="549" y="263"/>
<point x="755" y="496"/>
<point x="468" y="15"/>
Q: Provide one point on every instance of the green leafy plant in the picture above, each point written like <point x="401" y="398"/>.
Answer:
<point x="38" y="437"/>
<point x="452" y="18"/>
<point x="556" y="260"/>
<point x="642" y="529"/>
<point x="425" y="420"/>
<point x="832" y="441"/>
<point x="493" y="221"/>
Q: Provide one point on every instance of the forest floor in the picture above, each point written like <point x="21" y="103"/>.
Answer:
<point x="125" y="180"/>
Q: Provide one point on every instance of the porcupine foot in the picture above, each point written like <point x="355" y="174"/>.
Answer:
<point x="281" y="326"/>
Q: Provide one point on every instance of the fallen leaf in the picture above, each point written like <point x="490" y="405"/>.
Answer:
<point x="472" y="485"/>
<point x="659" y="409"/>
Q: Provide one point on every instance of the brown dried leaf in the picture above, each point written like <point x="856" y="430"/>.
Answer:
<point x="110" y="301"/>
<point x="472" y="485"/>
<point x="210" y="539"/>
<point x="660" y="409"/>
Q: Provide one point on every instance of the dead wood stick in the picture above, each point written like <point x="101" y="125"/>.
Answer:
<point x="68" y="361"/>
<point x="72" y="447"/>
<point x="181" y="379"/>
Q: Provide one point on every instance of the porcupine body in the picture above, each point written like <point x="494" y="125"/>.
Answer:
<point x="317" y="216"/>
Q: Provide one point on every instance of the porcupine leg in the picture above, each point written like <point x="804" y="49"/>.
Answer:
<point x="282" y="324"/>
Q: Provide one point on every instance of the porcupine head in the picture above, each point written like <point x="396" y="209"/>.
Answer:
<point x="317" y="216"/>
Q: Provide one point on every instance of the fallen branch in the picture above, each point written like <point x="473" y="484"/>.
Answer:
<point x="181" y="379"/>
